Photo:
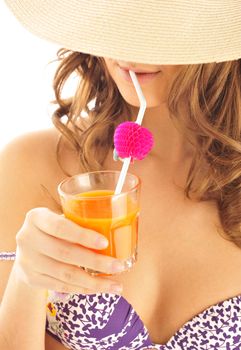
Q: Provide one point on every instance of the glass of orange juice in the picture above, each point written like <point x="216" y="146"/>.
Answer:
<point x="88" y="199"/>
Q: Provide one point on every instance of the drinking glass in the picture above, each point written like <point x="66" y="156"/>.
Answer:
<point x="89" y="200"/>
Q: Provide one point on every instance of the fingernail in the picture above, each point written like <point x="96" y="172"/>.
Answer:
<point x="116" y="288"/>
<point x="102" y="243"/>
<point x="117" y="267"/>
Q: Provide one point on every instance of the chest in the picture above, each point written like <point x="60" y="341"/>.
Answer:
<point x="181" y="257"/>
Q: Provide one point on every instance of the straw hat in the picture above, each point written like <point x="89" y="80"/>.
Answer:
<point x="151" y="31"/>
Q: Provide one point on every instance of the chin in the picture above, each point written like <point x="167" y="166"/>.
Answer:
<point x="151" y="101"/>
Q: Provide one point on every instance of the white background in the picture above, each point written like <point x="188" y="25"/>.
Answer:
<point x="25" y="79"/>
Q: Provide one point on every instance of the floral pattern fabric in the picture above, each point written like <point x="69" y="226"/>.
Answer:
<point x="108" y="322"/>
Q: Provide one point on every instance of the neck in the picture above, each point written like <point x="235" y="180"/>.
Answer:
<point x="169" y="143"/>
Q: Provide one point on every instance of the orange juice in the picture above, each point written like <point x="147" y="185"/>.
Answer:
<point x="115" y="218"/>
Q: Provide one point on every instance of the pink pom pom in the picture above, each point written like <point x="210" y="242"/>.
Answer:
<point x="132" y="140"/>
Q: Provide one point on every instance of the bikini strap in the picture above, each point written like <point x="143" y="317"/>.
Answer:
<point x="7" y="255"/>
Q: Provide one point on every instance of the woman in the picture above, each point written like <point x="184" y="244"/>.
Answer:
<point x="184" y="291"/>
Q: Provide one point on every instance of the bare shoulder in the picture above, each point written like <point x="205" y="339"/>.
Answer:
<point x="28" y="177"/>
<point x="35" y="146"/>
<point x="29" y="158"/>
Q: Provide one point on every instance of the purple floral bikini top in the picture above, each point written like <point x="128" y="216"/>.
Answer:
<point x="108" y="322"/>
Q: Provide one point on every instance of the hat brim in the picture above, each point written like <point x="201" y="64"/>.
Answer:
<point x="152" y="32"/>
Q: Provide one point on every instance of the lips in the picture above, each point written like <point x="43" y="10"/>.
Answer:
<point x="143" y="77"/>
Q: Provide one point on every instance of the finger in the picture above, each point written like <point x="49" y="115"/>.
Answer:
<point x="74" y="254"/>
<point x="72" y="275"/>
<point x="58" y="226"/>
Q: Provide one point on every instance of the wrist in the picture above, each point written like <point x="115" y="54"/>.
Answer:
<point x="20" y="282"/>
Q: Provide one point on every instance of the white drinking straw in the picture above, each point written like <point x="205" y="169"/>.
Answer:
<point x="139" y="119"/>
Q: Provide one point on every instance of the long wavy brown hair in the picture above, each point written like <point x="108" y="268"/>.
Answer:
<point x="212" y="96"/>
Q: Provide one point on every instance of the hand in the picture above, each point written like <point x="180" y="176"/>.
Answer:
<point x="51" y="251"/>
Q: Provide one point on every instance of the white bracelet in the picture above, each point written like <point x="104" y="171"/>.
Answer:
<point x="7" y="255"/>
